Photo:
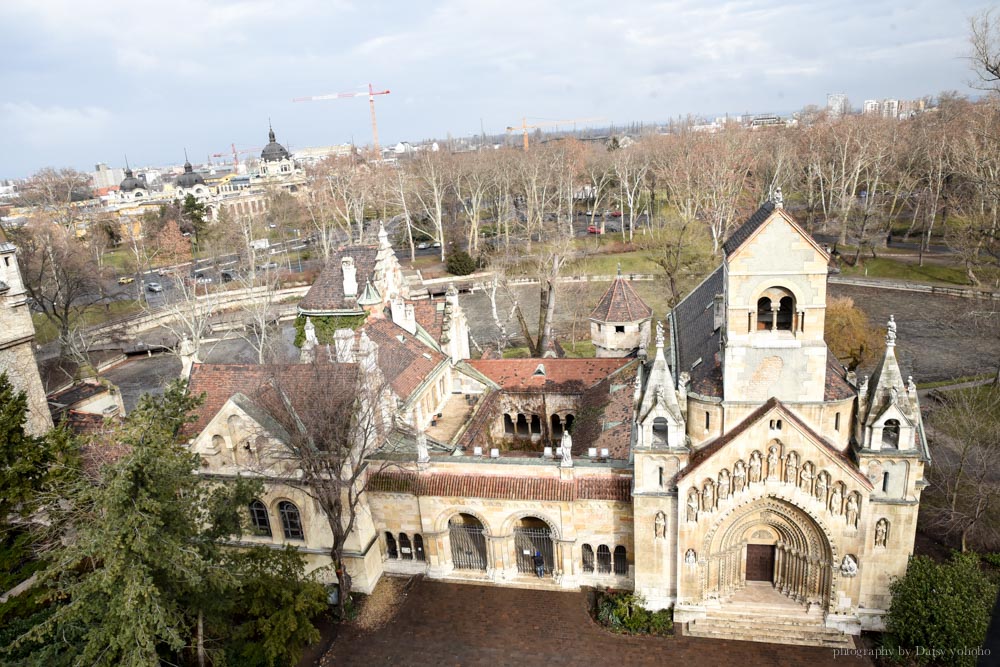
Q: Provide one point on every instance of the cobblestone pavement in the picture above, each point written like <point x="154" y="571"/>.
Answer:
<point x="456" y="624"/>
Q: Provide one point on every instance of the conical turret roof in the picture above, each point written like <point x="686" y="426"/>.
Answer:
<point x="620" y="303"/>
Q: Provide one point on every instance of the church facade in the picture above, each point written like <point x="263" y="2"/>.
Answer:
<point x="735" y="460"/>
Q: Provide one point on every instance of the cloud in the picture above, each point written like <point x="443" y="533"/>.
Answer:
<point x="53" y="126"/>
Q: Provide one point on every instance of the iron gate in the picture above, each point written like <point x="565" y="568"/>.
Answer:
<point x="529" y="540"/>
<point x="468" y="546"/>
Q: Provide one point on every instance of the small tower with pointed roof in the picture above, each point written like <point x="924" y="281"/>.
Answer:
<point x="619" y="325"/>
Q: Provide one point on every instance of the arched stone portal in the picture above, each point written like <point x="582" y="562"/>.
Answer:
<point x="769" y="534"/>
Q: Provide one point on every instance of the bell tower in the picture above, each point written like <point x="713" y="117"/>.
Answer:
<point x="17" y="336"/>
<point x="775" y="311"/>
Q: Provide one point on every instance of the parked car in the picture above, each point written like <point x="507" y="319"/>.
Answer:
<point x="593" y="229"/>
<point x="125" y="280"/>
<point x="227" y="275"/>
<point x="269" y="266"/>
<point x="436" y="244"/>
<point x="165" y="271"/>
<point x="154" y="287"/>
<point x="423" y="245"/>
<point x="202" y="279"/>
<point x="616" y="214"/>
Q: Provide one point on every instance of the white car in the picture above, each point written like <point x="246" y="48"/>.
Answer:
<point x="154" y="287"/>
<point x="423" y="246"/>
<point x="202" y="279"/>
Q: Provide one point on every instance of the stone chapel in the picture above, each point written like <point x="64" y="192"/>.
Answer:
<point x="735" y="471"/>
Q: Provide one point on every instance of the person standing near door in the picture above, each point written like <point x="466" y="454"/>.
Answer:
<point x="539" y="564"/>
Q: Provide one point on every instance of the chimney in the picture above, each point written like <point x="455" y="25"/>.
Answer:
<point x="350" y="276"/>
<point x="403" y="316"/>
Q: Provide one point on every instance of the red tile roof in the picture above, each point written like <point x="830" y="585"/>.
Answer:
<point x="503" y="487"/>
<point x="404" y="360"/>
<point x="837" y="387"/>
<point x="430" y="316"/>
<point x="620" y="303"/>
<point x="563" y="376"/>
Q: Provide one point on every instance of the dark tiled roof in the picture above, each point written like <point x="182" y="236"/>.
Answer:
<point x="77" y="392"/>
<point x="747" y="229"/>
<point x="606" y="487"/>
<point x="620" y="303"/>
<point x="694" y="336"/>
<point x="405" y="362"/>
<point x="561" y="376"/>
<point x="327" y="293"/>
<point x="430" y="316"/>
<point x="312" y="386"/>
<point x="837" y="387"/>
<point x="706" y="452"/>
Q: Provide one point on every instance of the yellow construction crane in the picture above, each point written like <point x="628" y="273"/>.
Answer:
<point x="524" y="126"/>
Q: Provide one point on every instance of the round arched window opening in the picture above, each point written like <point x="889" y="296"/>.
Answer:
<point x="776" y="310"/>
<point x="890" y="434"/>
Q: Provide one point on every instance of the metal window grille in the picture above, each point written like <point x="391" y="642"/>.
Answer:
<point x="291" y="521"/>
<point x="259" y="519"/>
<point x="405" y="550"/>
<point x="390" y="545"/>
<point x="603" y="559"/>
<point x="621" y="560"/>
<point x="418" y="547"/>
<point x="529" y="540"/>
<point x="468" y="546"/>
<point x="588" y="558"/>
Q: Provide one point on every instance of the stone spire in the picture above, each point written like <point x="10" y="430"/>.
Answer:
<point x="887" y="386"/>
<point x="660" y="385"/>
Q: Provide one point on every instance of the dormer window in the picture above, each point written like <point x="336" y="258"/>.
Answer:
<point x="540" y="371"/>
<point x="890" y="434"/>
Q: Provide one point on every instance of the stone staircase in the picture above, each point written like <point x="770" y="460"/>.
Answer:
<point x="757" y="614"/>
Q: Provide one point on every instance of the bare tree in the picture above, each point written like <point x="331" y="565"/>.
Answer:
<point x="984" y="42"/>
<point x="431" y="181"/>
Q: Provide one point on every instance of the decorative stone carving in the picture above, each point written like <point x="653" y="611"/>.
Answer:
<point x="423" y="455"/>
<point x="708" y="496"/>
<point x="724" y="484"/>
<point x="660" y="526"/>
<point x="791" y="468"/>
<point x="761" y="535"/>
<point x="692" y="506"/>
<point x="659" y="334"/>
<point x="821" y="486"/>
<point x="739" y="477"/>
<point x="691" y="558"/>
<point x="851" y="512"/>
<point x="849" y="566"/>
<point x="881" y="532"/>
<point x="890" y="332"/>
<point x="755" y="466"/>
<point x="836" y="498"/>
<point x="805" y="478"/>
<point x="772" y="463"/>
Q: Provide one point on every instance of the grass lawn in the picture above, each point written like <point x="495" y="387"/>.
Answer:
<point x="46" y="331"/>
<point x="607" y="265"/>
<point x="891" y="268"/>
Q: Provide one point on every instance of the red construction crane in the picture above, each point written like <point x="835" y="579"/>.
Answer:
<point x="236" y="154"/>
<point x="524" y="126"/>
<point x="371" y="103"/>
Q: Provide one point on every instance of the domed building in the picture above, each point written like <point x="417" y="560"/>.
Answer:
<point x="191" y="183"/>
<point x="275" y="160"/>
<point x="132" y="188"/>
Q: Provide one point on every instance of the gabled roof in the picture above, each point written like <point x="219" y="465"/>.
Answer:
<point x="404" y="360"/>
<point x="620" y="303"/>
<point x="702" y="455"/>
<point x="693" y="336"/>
<point x="326" y="296"/>
<point x="746" y="230"/>
<point x="561" y="376"/>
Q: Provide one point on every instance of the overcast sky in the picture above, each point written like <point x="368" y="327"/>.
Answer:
<point x="87" y="81"/>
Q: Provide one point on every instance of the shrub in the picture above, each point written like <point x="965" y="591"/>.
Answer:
<point x="624" y="612"/>
<point x="943" y="606"/>
<point x="459" y="263"/>
<point x="326" y="326"/>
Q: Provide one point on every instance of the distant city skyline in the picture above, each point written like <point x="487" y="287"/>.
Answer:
<point x="88" y="82"/>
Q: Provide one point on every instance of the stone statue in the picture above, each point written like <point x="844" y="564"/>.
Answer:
<point x="724" y="484"/>
<point x="691" y="558"/>
<point x="805" y="478"/>
<point x="835" y="499"/>
<point x="911" y="386"/>
<point x="821" y="487"/>
<point x="776" y="197"/>
<point x="881" y="529"/>
<point x="755" y="465"/>
<point x="566" y="445"/>
<point x="849" y="566"/>
<point x="772" y="463"/>
<point x="890" y="331"/>
<point x="739" y="477"/>
<point x="660" y="526"/>
<point x="708" y="497"/>
<point x="692" y="506"/>
<point x="852" y="511"/>
<point x="791" y="468"/>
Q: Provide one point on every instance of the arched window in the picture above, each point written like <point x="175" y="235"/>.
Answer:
<point x="218" y="443"/>
<point x="786" y="313"/>
<point x="521" y="426"/>
<point x="390" y="545"/>
<point x="418" y="547"/>
<point x="660" y="430"/>
<point x="259" y="520"/>
<point x="508" y="425"/>
<point x="890" y="434"/>
<point x="621" y="560"/>
<point x="588" y="558"/>
<point x="291" y="521"/>
<point x="405" y="550"/>
<point x="569" y="423"/>
<point x="536" y="424"/>
<point x="764" y="314"/>
<point x="603" y="559"/>
<point x="555" y="427"/>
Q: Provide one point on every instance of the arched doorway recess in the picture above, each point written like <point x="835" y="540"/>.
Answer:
<point x="468" y="542"/>
<point x="769" y="539"/>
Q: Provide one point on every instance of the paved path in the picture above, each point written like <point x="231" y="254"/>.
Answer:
<point x="456" y="624"/>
